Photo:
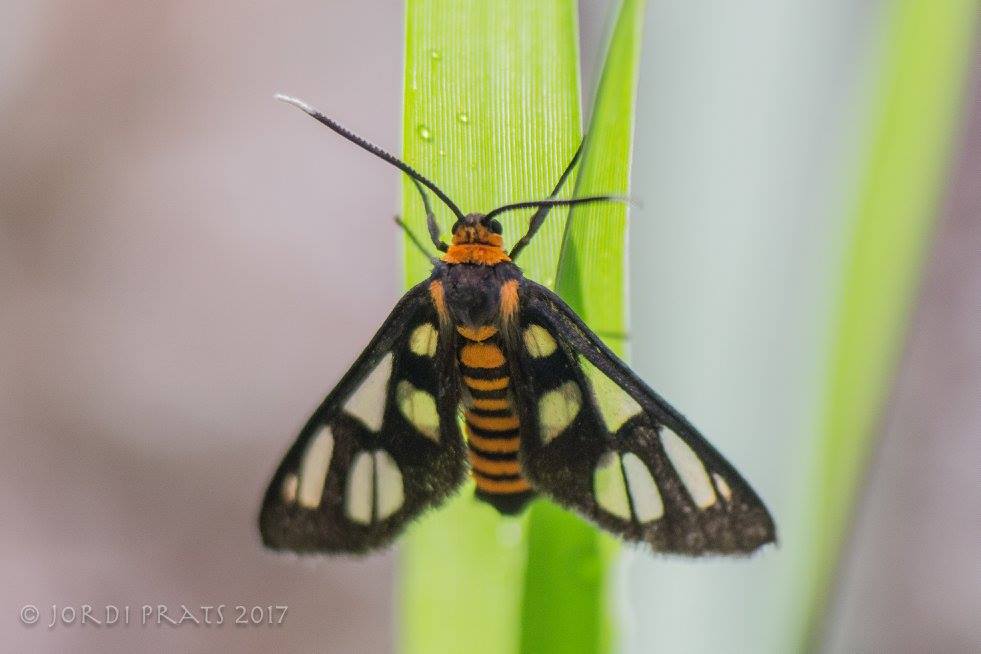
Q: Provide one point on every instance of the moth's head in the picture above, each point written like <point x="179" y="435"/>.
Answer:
<point x="477" y="229"/>
<point x="476" y="239"/>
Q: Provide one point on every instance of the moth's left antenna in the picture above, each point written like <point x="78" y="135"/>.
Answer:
<point x="373" y="149"/>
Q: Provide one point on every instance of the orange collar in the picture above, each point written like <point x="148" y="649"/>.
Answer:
<point x="476" y="245"/>
<point x="480" y="253"/>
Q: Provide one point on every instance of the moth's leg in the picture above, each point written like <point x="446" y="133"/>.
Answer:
<point x="415" y="240"/>
<point x="539" y="217"/>
<point x="431" y="219"/>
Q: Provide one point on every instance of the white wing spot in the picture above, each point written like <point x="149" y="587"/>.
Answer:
<point x="723" y="486"/>
<point x="288" y="489"/>
<point x="367" y="402"/>
<point x="358" y="497"/>
<point x="314" y="467"/>
<point x="690" y="468"/>
<point x="419" y="408"/>
<point x="391" y="493"/>
<point x="423" y="340"/>
<point x="558" y="408"/>
<point x="610" y="487"/>
<point x="539" y="342"/>
<point x="647" y="501"/>
<point x="615" y="405"/>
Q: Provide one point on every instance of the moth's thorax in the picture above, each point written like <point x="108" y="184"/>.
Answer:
<point x="479" y="295"/>
<point x="475" y="244"/>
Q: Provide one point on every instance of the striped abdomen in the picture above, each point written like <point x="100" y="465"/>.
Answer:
<point x="492" y="420"/>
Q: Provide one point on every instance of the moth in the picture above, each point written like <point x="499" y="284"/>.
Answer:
<point x="548" y="410"/>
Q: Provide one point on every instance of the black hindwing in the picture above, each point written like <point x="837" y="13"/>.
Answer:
<point x="597" y="440"/>
<point x="381" y="448"/>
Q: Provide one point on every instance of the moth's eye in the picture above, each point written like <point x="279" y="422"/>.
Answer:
<point x="495" y="226"/>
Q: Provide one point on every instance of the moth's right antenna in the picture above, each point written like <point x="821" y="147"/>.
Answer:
<point x="373" y="149"/>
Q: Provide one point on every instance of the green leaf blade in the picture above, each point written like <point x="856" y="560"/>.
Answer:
<point x="568" y="595"/>
<point x="592" y="266"/>
<point x="491" y="115"/>
<point x="491" y="112"/>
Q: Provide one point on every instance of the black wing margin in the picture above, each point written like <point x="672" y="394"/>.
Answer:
<point x="598" y="440"/>
<point x="381" y="448"/>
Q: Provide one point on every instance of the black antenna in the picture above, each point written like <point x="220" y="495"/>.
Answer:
<point x="539" y="216"/>
<point x="373" y="149"/>
<point x="552" y="202"/>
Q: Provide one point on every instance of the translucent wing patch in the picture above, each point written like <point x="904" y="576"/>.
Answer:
<point x="599" y="441"/>
<point x="312" y="474"/>
<point x="615" y="404"/>
<point x="367" y="402"/>
<point x="380" y="449"/>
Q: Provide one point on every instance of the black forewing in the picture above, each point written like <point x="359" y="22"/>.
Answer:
<point x="354" y="441"/>
<point x="650" y="476"/>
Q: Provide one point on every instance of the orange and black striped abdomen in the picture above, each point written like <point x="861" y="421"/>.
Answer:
<point x="492" y="420"/>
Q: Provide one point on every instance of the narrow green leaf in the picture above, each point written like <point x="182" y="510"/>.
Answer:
<point x="492" y="115"/>
<point x="927" y="50"/>
<point x="592" y="268"/>
<point x="567" y="595"/>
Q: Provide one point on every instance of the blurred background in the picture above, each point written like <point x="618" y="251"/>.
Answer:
<point x="187" y="266"/>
